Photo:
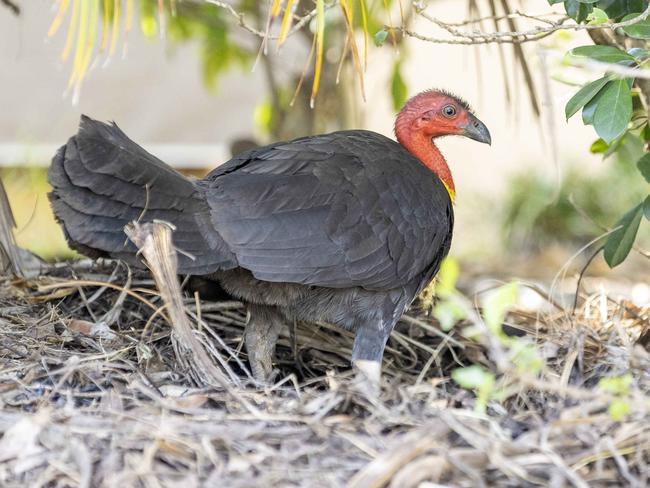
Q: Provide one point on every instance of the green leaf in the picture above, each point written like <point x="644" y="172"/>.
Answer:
<point x="447" y="277"/>
<point x="619" y="243"/>
<point x="616" y="385"/>
<point x="448" y="313"/>
<point x="598" y="147"/>
<point x="618" y="8"/>
<point x="498" y="304"/>
<point x="526" y="357"/>
<point x="380" y="37"/>
<point x="604" y="54"/>
<point x="472" y="377"/>
<point x="584" y="96"/>
<point x="597" y="17"/>
<point x="589" y="110"/>
<point x="646" y="207"/>
<point x="640" y="30"/>
<point x="645" y="133"/>
<point x="476" y="378"/>
<point x="398" y="89"/>
<point x="613" y="111"/>
<point x="149" y="26"/>
<point x="263" y="116"/>
<point x="644" y="166"/>
<point x="629" y="149"/>
<point x="577" y="11"/>
<point x="618" y="409"/>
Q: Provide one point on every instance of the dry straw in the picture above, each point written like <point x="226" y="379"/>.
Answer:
<point x="109" y="378"/>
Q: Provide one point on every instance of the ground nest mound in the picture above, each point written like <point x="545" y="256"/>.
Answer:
<point x="100" y="386"/>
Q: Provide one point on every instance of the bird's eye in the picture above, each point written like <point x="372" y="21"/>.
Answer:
<point x="449" y="111"/>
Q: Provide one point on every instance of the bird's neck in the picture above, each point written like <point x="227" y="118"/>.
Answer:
<point x="421" y="146"/>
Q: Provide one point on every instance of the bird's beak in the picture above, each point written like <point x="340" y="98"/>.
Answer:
<point x="475" y="129"/>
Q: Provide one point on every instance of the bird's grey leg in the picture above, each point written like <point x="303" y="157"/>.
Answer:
<point x="367" y="353"/>
<point x="261" y="335"/>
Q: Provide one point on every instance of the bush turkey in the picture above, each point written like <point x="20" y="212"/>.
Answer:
<point x="346" y="227"/>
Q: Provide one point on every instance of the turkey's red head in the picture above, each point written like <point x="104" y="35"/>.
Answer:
<point x="432" y="114"/>
<point x="436" y="113"/>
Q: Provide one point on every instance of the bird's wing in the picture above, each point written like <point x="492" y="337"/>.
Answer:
<point x="346" y="209"/>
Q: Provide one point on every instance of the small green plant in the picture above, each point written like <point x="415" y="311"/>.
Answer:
<point x="519" y="352"/>
<point x="448" y="310"/>
<point x="479" y="379"/>
<point x="619" y="386"/>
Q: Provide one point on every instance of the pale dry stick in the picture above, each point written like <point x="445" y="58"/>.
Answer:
<point x="539" y="291"/>
<point x="410" y="355"/>
<point x="113" y="314"/>
<point x="485" y="441"/>
<point x="79" y="283"/>
<point x="382" y="469"/>
<point x="86" y="304"/>
<point x="576" y="393"/>
<point x="622" y="465"/>
<point x="92" y="357"/>
<point x="197" y="302"/>
<point x="150" y="320"/>
<point x="432" y="358"/>
<point x="214" y="306"/>
<point x="432" y="329"/>
<point x="154" y="240"/>
<point x="100" y="291"/>
<point x="204" y="339"/>
<point x="604" y="228"/>
<point x="208" y="330"/>
<point x="564" y="269"/>
<point x="608" y="68"/>
<point x="357" y="442"/>
<point x="571" y="474"/>
<point x="515" y="15"/>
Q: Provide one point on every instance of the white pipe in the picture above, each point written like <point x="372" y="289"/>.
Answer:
<point x="182" y="156"/>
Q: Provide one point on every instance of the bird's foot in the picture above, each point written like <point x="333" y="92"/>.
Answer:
<point x="263" y="371"/>
<point x="368" y="378"/>
<point x="261" y="336"/>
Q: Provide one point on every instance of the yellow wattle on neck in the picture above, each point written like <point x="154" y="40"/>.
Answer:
<point x="451" y="191"/>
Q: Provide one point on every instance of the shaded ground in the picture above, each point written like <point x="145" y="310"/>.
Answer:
<point x="96" y="390"/>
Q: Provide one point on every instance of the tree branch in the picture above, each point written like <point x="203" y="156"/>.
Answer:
<point x="511" y="37"/>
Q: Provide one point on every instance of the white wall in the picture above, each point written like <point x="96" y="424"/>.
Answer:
<point x="158" y="96"/>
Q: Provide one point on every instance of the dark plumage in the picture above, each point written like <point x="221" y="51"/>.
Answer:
<point x="346" y="227"/>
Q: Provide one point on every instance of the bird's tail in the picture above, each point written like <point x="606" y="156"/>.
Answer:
<point x="102" y="180"/>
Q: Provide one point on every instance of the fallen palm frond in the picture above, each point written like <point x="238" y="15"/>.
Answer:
<point x="155" y="243"/>
<point x="10" y="259"/>
<point x="113" y="17"/>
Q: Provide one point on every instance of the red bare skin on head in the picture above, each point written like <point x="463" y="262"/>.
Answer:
<point x="426" y="116"/>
